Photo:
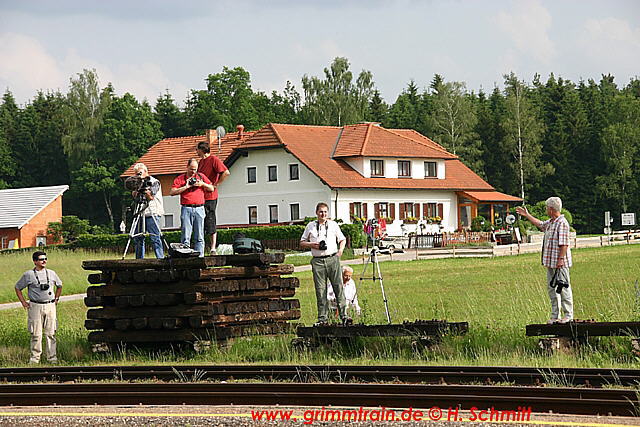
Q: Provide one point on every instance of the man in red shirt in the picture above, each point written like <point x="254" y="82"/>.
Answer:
<point x="213" y="168"/>
<point x="192" y="187"/>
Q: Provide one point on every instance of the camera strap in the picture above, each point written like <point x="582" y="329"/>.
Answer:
<point x="326" y="228"/>
<point x="35" y="273"/>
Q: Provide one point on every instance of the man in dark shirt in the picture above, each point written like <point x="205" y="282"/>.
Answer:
<point x="213" y="168"/>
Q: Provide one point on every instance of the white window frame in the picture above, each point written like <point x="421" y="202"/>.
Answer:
<point x="255" y="168"/>
<point x="435" y="170"/>
<point x="164" y="220"/>
<point x="249" y="214"/>
<point x="298" y="167"/>
<point x="268" y="175"/>
<point x="291" y="218"/>
<point x="410" y="172"/>
<point x="271" y="221"/>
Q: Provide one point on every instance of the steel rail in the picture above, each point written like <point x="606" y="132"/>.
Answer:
<point x="591" y="377"/>
<point x="540" y="399"/>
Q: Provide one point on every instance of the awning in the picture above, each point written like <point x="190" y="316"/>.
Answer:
<point x="489" y="196"/>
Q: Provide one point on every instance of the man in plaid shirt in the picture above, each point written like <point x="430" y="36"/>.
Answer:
<point x="556" y="256"/>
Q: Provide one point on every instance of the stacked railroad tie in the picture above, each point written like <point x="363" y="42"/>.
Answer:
<point x="189" y="300"/>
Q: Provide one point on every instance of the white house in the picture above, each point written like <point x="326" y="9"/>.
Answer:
<point x="281" y="171"/>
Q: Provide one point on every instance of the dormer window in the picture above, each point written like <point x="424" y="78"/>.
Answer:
<point x="430" y="170"/>
<point x="404" y="169"/>
<point x="377" y="168"/>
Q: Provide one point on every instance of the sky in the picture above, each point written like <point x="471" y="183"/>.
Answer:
<point x="147" y="47"/>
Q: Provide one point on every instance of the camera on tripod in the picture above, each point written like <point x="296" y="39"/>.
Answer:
<point x="138" y="183"/>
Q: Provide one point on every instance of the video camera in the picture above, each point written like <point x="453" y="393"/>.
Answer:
<point x="137" y="183"/>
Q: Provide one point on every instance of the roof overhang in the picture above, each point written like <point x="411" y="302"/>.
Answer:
<point x="489" y="196"/>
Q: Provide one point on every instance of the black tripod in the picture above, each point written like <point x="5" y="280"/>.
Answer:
<point x="139" y="205"/>
<point x="376" y="274"/>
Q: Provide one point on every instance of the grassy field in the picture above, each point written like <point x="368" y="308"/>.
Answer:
<point x="497" y="296"/>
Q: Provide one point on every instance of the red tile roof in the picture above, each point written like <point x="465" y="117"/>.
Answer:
<point x="313" y="146"/>
<point x="169" y="156"/>
<point x="372" y="140"/>
<point x="321" y="149"/>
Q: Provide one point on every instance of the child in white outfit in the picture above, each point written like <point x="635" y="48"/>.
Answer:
<point x="350" y="293"/>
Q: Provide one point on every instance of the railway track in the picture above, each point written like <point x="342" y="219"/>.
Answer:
<point x="586" y="377"/>
<point x="559" y="400"/>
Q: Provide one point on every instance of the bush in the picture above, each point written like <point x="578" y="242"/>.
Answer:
<point x="68" y="229"/>
<point x="353" y="231"/>
<point x="479" y="223"/>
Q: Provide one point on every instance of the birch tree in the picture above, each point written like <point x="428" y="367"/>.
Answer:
<point x="337" y="99"/>
<point x="454" y="120"/>
<point x="523" y="131"/>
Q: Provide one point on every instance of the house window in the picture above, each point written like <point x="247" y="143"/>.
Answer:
<point x="404" y="168"/>
<point x="294" y="172"/>
<point x="168" y="221"/>
<point x="273" y="173"/>
<point x="253" y="214"/>
<point x="294" y="210"/>
<point x="432" y="210"/>
<point x="408" y="209"/>
<point x="383" y="210"/>
<point x="377" y="168"/>
<point x="41" y="240"/>
<point x="430" y="170"/>
<point x="251" y="175"/>
<point x="273" y="214"/>
<point x="4" y="244"/>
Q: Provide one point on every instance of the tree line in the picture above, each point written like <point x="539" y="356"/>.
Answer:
<point x="579" y="141"/>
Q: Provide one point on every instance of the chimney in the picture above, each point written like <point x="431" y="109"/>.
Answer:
<point x="212" y="137"/>
<point x="240" y="129"/>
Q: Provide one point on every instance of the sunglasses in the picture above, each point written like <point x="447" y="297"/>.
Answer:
<point x="42" y="259"/>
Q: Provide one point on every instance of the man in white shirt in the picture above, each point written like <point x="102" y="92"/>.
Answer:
<point x="326" y="241"/>
<point x="350" y="292"/>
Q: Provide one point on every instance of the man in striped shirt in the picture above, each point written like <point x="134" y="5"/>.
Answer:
<point x="556" y="257"/>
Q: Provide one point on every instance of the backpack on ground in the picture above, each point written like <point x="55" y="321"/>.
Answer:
<point x="246" y="245"/>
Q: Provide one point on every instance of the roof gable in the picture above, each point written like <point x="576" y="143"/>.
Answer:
<point x="19" y="205"/>
<point x="371" y="140"/>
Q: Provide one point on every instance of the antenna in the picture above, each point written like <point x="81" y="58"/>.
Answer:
<point x="221" y="133"/>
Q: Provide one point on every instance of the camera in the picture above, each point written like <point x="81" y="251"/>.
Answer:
<point x="137" y="183"/>
<point x="44" y="286"/>
<point x="192" y="181"/>
<point x="323" y="245"/>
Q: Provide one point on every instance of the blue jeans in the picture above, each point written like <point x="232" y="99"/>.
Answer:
<point x="192" y="222"/>
<point x="151" y="224"/>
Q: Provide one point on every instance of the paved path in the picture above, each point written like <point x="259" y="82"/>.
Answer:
<point x="9" y="305"/>
<point x="381" y="258"/>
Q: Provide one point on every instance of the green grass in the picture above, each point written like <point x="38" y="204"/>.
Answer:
<point x="497" y="296"/>
<point x="67" y="263"/>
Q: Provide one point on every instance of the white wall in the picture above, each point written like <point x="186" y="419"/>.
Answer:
<point x="236" y="195"/>
<point x="448" y="199"/>
<point x="391" y="167"/>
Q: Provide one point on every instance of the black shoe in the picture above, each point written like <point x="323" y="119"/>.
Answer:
<point x="347" y="321"/>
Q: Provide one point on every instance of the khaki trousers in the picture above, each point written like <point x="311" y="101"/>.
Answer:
<point x="42" y="320"/>
<point x="328" y="270"/>
<point x="563" y="300"/>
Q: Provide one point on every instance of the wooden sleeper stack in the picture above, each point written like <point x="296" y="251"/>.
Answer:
<point x="189" y="300"/>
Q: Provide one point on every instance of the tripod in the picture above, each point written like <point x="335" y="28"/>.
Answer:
<point x="140" y="204"/>
<point x="375" y="275"/>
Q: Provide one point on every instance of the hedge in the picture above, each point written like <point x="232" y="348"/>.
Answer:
<point x="353" y="232"/>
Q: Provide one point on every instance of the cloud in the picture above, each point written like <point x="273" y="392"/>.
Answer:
<point x="527" y="25"/>
<point x="27" y="67"/>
